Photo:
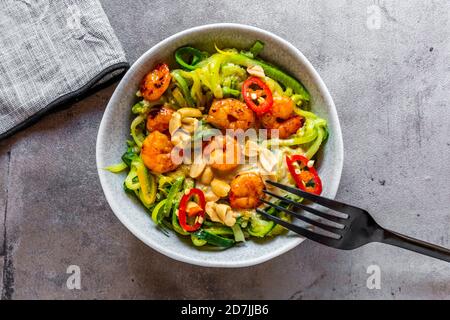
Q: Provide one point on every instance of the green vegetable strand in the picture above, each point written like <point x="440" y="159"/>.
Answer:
<point x="272" y="72"/>
<point x="213" y="239"/>
<point x="116" y="168"/>
<point x="197" y="56"/>
<point x="182" y="84"/>
<point x="170" y="197"/>
<point x="238" y="234"/>
<point x="157" y="213"/>
<point x="231" y="92"/>
<point x="257" y="47"/>
<point x="136" y="132"/>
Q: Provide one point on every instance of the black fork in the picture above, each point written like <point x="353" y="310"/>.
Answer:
<point x="349" y="231"/>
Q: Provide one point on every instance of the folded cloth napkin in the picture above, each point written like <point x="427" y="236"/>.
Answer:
<point x="52" y="51"/>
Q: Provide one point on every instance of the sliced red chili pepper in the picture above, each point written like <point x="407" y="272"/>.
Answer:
<point x="305" y="177"/>
<point x="257" y="95"/>
<point x="200" y="215"/>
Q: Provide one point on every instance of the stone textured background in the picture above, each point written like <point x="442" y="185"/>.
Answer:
<point x="391" y="87"/>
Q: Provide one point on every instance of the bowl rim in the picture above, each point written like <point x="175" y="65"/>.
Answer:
<point x="333" y="185"/>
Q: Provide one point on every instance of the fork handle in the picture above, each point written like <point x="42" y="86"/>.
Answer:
<point x="405" y="242"/>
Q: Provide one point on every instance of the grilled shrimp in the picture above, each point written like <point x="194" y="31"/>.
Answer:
<point x="231" y="114"/>
<point x="158" y="119"/>
<point x="282" y="118"/>
<point x="224" y="153"/>
<point x="156" y="153"/>
<point x="246" y="190"/>
<point x="156" y="82"/>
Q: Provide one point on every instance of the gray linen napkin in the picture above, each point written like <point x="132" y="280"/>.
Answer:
<point x="52" y="51"/>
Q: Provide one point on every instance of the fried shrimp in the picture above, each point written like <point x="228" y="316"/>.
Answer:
<point x="158" y="119"/>
<point x="224" y="153"/>
<point x="282" y="118"/>
<point x="231" y="114"/>
<point x="209" y="136"/>
<point x="156" y="153"/>
<point x="246" y="190"/>
<point x="156" y="82"/>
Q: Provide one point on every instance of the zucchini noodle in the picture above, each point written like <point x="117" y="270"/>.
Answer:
<point x="182" y="84"/>
<point x="230" y="69"/>
<point x="196" y="89"/>
<point x="201" y="80"/>
<point x="131" y="181"/>
<point x="273" y="86"/>
<point x="147" y="182"/>
<point x="316" y="144"/>
<point x="143" y="107"/>
<point x="179" y="98"/>
<point x="136" y="132"/>
<point x="116" y="168"/>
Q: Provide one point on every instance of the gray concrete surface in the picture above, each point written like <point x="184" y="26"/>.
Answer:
<point x="391" y="86"/>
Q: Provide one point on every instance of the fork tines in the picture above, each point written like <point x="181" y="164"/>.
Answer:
<point x="356" y="229"/>
<point x="298" y="229"/>
<point x="316" y="223"/>
<point x="331" y="204"/>
<point x="332" y="224"/>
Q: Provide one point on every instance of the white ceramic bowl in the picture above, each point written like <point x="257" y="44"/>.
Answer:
<point x="115" y="128"/>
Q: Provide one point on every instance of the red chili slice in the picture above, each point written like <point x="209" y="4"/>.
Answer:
<point x="200" y="214"/>
<point x="257" y="95"/>
<point x="305" y="177"/>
